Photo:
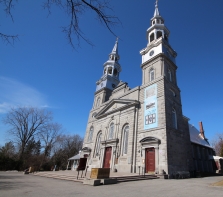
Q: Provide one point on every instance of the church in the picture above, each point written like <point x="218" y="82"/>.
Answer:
<point x="143" y="127"/>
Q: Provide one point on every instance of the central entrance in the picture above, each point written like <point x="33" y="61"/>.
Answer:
<point x="150" y="160"/>
<point x="107" y="158"/>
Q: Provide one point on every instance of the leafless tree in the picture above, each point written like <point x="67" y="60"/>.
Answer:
<point x="217" y="143"/>
<point x="25" y="123"/>
<point x="49" y="137"/>
<point x="66" y="147"/>
<point x="73" y="8"/>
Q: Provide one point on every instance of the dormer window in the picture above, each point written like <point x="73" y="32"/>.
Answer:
<point x="151" y="74"/>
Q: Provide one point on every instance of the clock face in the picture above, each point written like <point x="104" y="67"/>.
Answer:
<point x="151" y="53"/>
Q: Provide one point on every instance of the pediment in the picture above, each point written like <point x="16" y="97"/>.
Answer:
<point x="149" y="140"/>
<point x="116" y="105"/>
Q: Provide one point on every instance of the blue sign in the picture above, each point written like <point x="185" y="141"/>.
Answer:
<point x="150" y="107"/>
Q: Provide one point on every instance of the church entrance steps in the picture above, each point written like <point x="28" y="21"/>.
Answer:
<point x="135" y="178"/>
<point x="72" y="176"/>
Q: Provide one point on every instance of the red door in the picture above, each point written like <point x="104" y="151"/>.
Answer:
<point x="150" y="160"/>
<point x="107" y="158"/>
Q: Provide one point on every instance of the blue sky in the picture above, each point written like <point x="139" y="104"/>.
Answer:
<point x="42" y="69"/>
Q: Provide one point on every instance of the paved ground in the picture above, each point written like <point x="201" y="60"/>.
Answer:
<point x="15" y="184"/>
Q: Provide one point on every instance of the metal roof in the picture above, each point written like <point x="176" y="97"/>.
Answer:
<point x="76" y="157"/>
<point x="196" y="138"/>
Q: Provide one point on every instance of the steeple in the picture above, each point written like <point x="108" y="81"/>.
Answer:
<point x="112" y="68"/>
<point x="158" y="45"/>
<point x="114" y="54"/>
<point x="156" y="13"/>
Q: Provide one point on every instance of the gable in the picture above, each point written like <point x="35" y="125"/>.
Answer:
<point x="116" y="105"/>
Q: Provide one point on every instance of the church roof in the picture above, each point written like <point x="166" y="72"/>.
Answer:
<point x="196" y="138"/>
<point x="76" y="157"/>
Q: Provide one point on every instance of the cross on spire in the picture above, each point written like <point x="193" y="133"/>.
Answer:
<point x="156" y="3"/>
<point x="156" y="13"/>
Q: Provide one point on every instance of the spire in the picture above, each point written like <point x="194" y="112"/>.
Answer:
<point x="156" y="13"/>
<point x="115" y="49"/>
<point x="114" y="54"/>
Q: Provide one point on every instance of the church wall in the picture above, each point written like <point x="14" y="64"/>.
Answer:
<point x="158" y="132"/>
<point x="178" y="140"/>
<point x="120" y="119"/>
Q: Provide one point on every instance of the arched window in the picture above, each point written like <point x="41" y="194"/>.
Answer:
<point x="174" y="118"/>
<point x="110" y="70"/>
<point x="115" y="72"/>
<point x="159" y="34"/>
<point x="98" y="144"/>
<point x="105" y="71"/>
<point x="125" y="140"/>
<point x="151" y="74"/>
<point x="111" y="131"/>
<point x="90" y="135"/>
<point x="169" y="75"/>
<point x="98" y="102"/>
<point x="174" y="94"/>
<point x="151" y="37"/>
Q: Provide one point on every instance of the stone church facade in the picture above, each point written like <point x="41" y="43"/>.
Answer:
<point x="144" y="127"/>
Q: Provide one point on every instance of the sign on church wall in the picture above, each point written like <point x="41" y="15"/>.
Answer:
<point x="150" y="107"/>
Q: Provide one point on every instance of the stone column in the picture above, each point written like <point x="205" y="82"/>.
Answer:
<point x="135" y="140"/>
<point x="156" y="159"/>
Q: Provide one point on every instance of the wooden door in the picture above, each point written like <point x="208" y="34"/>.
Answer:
<point x="150" y="160"/>
<point x="107" y="158"/>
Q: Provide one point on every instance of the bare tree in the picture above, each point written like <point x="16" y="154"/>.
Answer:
<point x="49" y="137"/>
<point x="217" y="143"/>
<point x="73" y="8"/>
<point x="25" y="123"/>
<point x="66" y="147"/>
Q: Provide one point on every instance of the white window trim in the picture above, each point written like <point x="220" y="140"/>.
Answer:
<point x="150" y="74"/>
<point x="125" y="140"/>
<point x="111" y="131"/>
<point x="90" y="135"/>
<point x="98" y="144"/>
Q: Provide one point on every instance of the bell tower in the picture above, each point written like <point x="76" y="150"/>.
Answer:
<point x="110" y="77"/>
<point x="163" y="118"/>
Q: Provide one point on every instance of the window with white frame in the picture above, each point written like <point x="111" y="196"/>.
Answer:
<point x="98" y="144"/>
<point x="174" y="118"/>
<point x="111" y="131"/>
<point x="125" y="140"/>
<point x="169" y="75"/>
<point x="90" y="135"/>
<point x="98" y="102"/>
<point x="151" y="74"/>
